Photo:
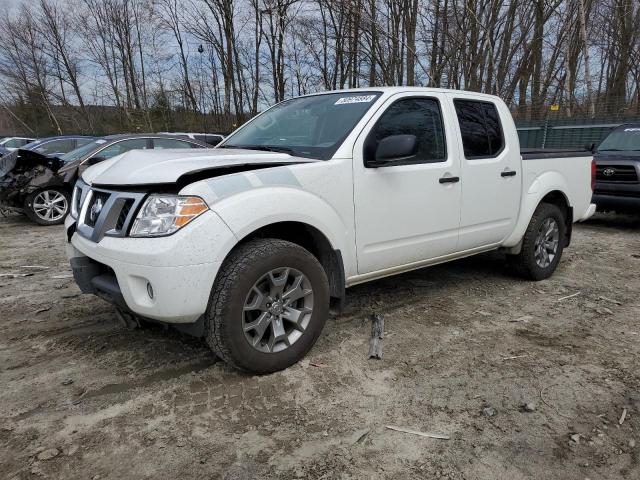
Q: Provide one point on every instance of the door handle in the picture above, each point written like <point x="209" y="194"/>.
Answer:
<point x="449" y="179"/>
<point x="508" y="173"/>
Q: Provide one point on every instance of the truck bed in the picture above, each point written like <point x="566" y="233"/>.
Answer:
<point x="544" y="153"/>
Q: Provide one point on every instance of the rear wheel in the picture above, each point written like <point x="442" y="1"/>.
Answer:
<point x="268" y="306"/>
<point x="543" y="243"/>
<point x="48" y="206"/>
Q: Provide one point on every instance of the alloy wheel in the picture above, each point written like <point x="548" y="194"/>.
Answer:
<point x="546" y="243"/>
<point x="277" y="310"/>
<point x="50" y="205"/>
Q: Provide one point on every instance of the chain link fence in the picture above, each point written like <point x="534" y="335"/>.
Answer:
<point x="555" y="127"/>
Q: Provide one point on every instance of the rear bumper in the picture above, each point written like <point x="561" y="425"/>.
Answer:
<point x="588" y="213"/>
<point x="155" y="278"/>
<point x="614" y="202"/>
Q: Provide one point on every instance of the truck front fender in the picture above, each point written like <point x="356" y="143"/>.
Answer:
<point x="541" y="186"/>
<point x="246" y="208"/>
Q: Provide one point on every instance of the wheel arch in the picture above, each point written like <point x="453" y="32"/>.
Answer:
<point x="313" y="240"/>
<point x="554" y="195"/>
<point x="560" y="200"/>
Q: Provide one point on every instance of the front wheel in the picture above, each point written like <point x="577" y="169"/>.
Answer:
<point x="268" y="306"/>
<point x="48" y="206"/>
<point x="542" y="244"/>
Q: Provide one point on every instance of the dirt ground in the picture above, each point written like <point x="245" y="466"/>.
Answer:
<point x="467" y="345"/>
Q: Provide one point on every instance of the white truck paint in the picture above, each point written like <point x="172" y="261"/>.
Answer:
<point x="379" y="221"/>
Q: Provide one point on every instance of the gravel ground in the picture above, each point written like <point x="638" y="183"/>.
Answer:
<point x="467" y="346"/>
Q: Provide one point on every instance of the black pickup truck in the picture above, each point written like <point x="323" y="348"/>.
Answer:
<point x="618" y="170"/>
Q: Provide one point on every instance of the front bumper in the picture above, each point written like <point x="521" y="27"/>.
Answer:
<point x="124" y="271"/>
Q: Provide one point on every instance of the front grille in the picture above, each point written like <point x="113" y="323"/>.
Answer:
<point x="96" y="204"/>
<point x="126" y="208"/>
<point x="113" y="218"/>
<point x="616" y="173"/>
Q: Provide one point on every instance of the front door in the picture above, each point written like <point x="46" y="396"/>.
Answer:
<point x="408" y="212"/>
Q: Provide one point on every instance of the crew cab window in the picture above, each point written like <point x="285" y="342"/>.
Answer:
<point x="122" y="147"/>
<point x="161" y="143"/>
<point x="480" y="128"/>
<point x="413" y="116"/>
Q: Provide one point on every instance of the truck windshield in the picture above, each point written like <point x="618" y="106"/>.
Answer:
<point x="624" y="141"/>
<point x="312" y="127"/>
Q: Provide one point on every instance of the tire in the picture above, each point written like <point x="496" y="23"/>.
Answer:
<point x="530" y="263"/>
<point x="48" y="206"/>
<point x="247" y="312"/>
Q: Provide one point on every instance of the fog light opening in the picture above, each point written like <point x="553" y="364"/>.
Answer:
<point x="150" y="290"/>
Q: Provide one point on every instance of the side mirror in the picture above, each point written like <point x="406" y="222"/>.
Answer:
<point x="591" y="147"/>
<point x="94" y="160"/>
<point x="394" y="149"/>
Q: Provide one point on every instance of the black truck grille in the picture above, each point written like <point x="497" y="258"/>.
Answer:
<point x="124" y="213"/>
<point x="616" y="173"/>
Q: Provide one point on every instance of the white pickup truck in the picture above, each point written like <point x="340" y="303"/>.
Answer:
<point x="249" y="244"/>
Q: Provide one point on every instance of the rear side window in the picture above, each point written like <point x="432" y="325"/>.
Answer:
<point x="413" y="116"/>
<point x="55" y="146"/>
<point x="210" y="139"/>
<point x="162" y="143"/>
<point x="480" y="128"/>
<point x="83" y="141"/>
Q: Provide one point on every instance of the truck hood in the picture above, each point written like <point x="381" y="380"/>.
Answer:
<point x="153" y="167"/>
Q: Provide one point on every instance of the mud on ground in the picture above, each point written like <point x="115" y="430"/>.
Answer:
<point x="467" y="346"/>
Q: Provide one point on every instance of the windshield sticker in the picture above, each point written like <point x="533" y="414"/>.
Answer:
<point x="632" y="129"/>
<point x="358" y="99"/>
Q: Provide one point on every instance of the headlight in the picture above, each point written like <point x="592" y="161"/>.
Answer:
<point x="165" y="214"/>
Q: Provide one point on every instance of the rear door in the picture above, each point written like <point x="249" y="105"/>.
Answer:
<point x="407" y="213"/>
<point x="491" y="173"/>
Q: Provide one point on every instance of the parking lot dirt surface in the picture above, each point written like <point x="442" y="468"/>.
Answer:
<point x="528" y="380"/>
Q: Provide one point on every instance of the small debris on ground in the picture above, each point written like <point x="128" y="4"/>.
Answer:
<point x="523" y="319"/>
<point x="575" y="438"/>
<point x="421" y="434"/>
<point x="67" y="381"/>
<point x="489" y="411"/>
<point x="377" y="333"/>
<point x="63" y="275"/>
<point x="503" y="357"/>
<point x="623" y="416"/>
<point x="318" y="364"/>
<point x="15" y="275"/>
<point x="48" y="454"/>
<point x="610" y="300"/>
<point x="569" y="296"/>
<point x="528" y="407"/>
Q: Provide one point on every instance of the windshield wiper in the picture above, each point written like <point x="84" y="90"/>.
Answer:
<point x="609" y="150"/>
<point x="264" y="148"/>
